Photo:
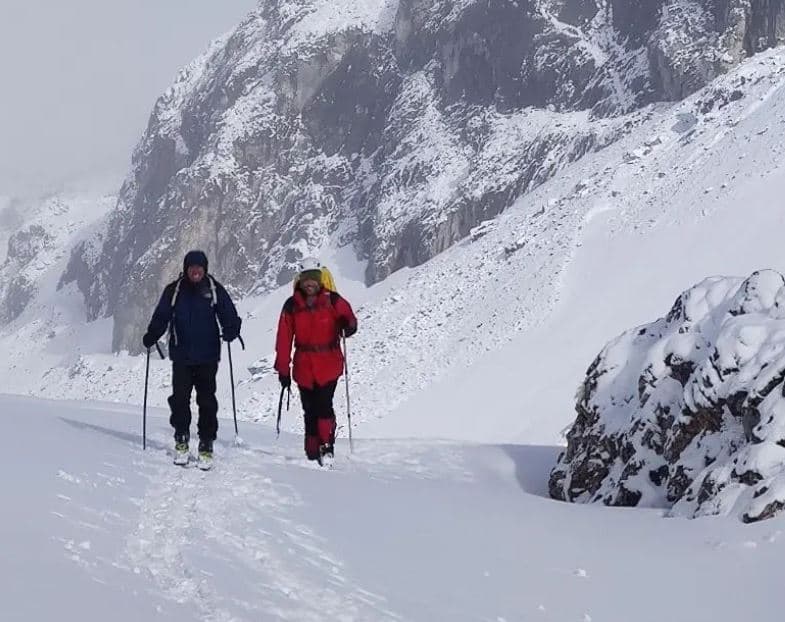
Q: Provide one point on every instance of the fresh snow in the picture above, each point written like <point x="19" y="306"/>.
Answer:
<point x="400" y="530"/>
<point x="327" y="16"/>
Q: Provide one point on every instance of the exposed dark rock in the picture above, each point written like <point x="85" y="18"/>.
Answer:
<point x="24" y="245"/>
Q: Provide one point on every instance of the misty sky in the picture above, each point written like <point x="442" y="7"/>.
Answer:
<point x="78" y="79"/>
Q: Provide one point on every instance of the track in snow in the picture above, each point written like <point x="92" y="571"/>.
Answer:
<point x="260" y="561"/>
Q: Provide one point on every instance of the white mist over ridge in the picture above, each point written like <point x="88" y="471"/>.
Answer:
<point x="79" y="78"/>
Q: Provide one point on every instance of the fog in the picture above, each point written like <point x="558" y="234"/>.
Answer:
<point x="78" y="80"/>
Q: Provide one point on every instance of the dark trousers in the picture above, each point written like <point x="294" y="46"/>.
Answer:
<point x="184" y="379"/>
<point x="319" y="418"/>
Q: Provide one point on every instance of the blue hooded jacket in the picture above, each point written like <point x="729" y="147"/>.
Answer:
<point x="194" y="337"/>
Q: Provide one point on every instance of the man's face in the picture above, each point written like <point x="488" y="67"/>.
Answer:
<point x="195" y="273"/>
<point x="310" y="287"/>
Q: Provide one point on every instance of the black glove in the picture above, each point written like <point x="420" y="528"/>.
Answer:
<point x="232" y="332"/>
<point x="148" y="341"/>
<point x="285" y="381"/>
<point x="349" y="330"/>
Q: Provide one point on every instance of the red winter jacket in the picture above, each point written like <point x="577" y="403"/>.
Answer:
<point x="315" y="331"/>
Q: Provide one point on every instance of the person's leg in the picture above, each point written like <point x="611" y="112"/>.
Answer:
<point x="326" y="417"/>
<point x="308" y="397"/>
<point x="180" y="401"/>
<point x="204" y="381"/>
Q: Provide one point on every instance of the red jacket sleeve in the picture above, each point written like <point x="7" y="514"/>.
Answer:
<point x="283" y="342"/>
<point x="346" y="316"/>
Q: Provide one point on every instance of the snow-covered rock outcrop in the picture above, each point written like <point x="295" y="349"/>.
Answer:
<point x="688" y="412"/>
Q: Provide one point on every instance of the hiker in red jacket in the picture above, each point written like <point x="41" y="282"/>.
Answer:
<point x="314" y="318"/>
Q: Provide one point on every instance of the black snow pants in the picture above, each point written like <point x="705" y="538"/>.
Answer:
<point x="184" y="379"/>
<point x="319" y="418"/>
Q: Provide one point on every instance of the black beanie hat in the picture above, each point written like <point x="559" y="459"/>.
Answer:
<point x="195" y="258"/>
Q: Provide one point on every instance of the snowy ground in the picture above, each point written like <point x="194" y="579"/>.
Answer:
<point x="401" y="530"/>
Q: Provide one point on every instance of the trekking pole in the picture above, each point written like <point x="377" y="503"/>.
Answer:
<point x="280" y="407"/>
<point x="346" y="378"/>
<point x="144" y="406"/>
<point x="231" y="378"/>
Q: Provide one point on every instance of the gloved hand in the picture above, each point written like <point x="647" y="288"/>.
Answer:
<point x="285" y="381"/>
<point x="349" y="330"/>
<point x="148" y="341"/>
<point x="232" y="331"/>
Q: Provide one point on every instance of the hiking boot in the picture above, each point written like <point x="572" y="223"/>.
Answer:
<point x="181" y="448"/>
<point x="205" y="447"/>
<point x="326" y="456"/>
<point x="205" y="460"/>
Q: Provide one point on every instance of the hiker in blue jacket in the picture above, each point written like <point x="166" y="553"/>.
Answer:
<point x="188" y="310"/>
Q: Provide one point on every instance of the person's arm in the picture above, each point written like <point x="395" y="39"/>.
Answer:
<point x="161" y="318"/>
<point x="283" y="341"/>
<point x="227" y="314"/>
<point x="347" y="322"/>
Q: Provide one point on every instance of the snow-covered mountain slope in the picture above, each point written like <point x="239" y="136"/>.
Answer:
<point x="688" y="411"/>
<point x="406" y="531"/>
<point x="489" y="340"/>
<point x="393" y="126"/>
<point x="43" y="232"/>
<point x="661" y="216"/>
<point x="43" y="324"/>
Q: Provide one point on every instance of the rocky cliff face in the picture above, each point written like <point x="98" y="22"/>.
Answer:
<point x="393" y="125"/>
<point x="687" y="412"/>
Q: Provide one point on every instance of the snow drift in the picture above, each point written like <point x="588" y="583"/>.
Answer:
<point x="400" y="531"/>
